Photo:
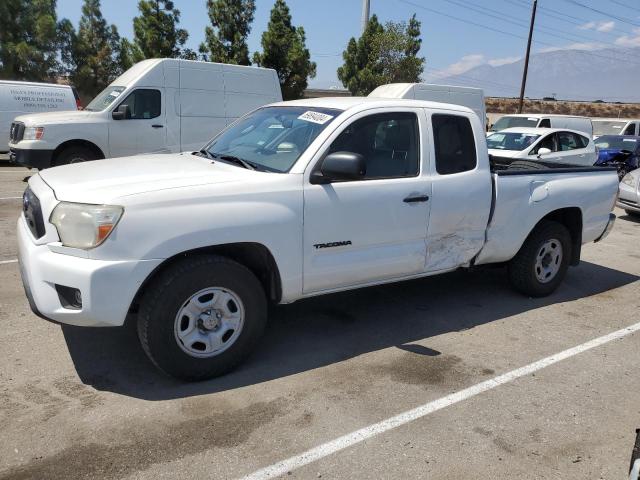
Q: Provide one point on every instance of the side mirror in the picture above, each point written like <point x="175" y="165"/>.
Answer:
<point x="340" y="166"/>
<point x="543" y="151"/>
<point x="123" y="112"/>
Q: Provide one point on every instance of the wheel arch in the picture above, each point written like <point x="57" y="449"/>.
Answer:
<point x="78" y="142"/>
<point x="571" y="218"/>
<point x="255" y="256"/>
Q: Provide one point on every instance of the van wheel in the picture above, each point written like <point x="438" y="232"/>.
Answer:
<point x="542" y="262"/>
<point x="74" y="154"/>
<point x="201" y="317"/>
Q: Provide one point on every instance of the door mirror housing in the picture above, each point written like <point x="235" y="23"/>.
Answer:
<point x="543" y="151"/>
<point x="340" y="166"/>
<point x="123" y="112"/>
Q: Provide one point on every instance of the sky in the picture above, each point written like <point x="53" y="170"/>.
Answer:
<point x="457" y="35"/>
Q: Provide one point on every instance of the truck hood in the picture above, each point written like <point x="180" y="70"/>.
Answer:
<point x="103" y="181"/>
<point x="48" y="118"/>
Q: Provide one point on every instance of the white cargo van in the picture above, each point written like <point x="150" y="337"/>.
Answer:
<point x="539" y="120"/>
<point x="472" y="98"/>
<point x="18" y="98"/>
<point x="615" y="126"/>
<point x="158" y="105"/>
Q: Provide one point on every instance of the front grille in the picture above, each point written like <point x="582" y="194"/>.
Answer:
<point x="17" y="132"/>
<point x="33" y="213"/>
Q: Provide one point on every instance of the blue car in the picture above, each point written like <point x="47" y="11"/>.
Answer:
<point x="620" y="151"/>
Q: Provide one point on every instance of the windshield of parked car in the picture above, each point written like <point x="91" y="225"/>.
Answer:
<point x="617" y="142"/>
<point x="608" y="127"/>
<point x="511" y="140"/>
<point x="508" y="122"/>
<point x="272" y="138"/>
<point x="104" y="99"/>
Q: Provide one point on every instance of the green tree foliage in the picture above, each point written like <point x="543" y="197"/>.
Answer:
<point x="226" y="40"/>
<point x="284" y="50"/>
<point x="155" y="30"/>
<point x="93" y="54"/>
<point x="382" y="55"/>
<point x="28" y="39"/>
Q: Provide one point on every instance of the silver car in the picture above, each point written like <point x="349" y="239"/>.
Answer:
<point x="629" y="194"/>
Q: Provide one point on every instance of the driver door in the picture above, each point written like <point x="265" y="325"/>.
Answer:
<point x="145" y="130"/>
<point x="371" y="229"/>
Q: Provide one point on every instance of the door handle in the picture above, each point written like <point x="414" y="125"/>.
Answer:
<point x="156" y="126"/>
<point x="416" y="199"/>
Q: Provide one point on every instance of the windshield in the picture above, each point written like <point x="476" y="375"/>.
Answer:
<point x="617" y="143"/>
<point x="511" y="140"/>
<point x="272" y="138"/>
<point x="508" y="122"/>
<point x="104" y="99"/>
<point x="608" y="127"/>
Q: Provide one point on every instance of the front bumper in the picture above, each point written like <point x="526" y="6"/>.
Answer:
<point x="107" y="287"/>
<point x="39" y="159"/>
<point x="629" y="197"/>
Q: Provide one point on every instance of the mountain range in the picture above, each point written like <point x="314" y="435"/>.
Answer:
<point x="608" y="74"/>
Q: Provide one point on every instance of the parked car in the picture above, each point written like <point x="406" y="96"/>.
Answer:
<point x="294" y="200"/>
<point x="619" y="151"/>
<point x="615" y="126"/>
<point x="18" y="98"/>
<point x="551" y="146"/>
<point x="629" y="194"/>
<point x="158" y="105"/>
<point x="536" y="120"/>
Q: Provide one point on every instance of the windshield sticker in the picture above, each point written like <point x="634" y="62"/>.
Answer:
<point x="315" y="117"/>
<point x="114" y="94"/>
<point x="276" y="125"/>
<point x="533" y="119"/>
<point x="632" y="140"/>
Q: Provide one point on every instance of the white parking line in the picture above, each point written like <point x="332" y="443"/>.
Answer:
<point x="3" y="262"/>
<point x="365" y="433"/>
<point x="9" y="198"/>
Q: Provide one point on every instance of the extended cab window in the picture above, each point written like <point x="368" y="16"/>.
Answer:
<point x="454" y="144"/>
<point x="387" y="141"/>
<point x="144" y="103"/>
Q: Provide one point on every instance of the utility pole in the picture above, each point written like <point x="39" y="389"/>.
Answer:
<point x="526" y="58"/>
<point x="365" y="14"/>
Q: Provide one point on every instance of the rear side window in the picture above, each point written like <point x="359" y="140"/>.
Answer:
<point x="454" y="144"/>
<point x="630" y="130"/>
<point x="545" y="123"/>
<point x="570" y="141"/>
<point x="144" y="103"/>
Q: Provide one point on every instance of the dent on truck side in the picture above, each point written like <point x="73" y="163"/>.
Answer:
<point x="517" y="213"/>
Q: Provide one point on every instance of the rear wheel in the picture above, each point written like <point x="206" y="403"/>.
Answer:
<point x="74" y="154"/>
<point x="201" y="317"/>
<point x="542" y="262"/>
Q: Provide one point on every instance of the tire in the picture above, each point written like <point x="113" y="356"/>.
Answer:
<point x="631" y="213"/>
<point x="538" y="273"/>
<point x="166" y="325"/>
<point x="74" y="154"/>
<point x="525" y="165"/>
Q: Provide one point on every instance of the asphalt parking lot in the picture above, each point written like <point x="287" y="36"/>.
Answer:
<point x="86" y="403"/>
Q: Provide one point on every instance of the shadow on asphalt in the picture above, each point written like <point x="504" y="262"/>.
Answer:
<point x="324" y="330"/>
<point x="630" y="218"/>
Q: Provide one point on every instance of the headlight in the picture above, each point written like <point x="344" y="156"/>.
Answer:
<point x="84" y="226"/>
<point x="628" y="179"/>
<point x="33" y="133"/>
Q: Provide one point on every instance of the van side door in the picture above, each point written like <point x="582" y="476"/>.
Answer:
<point x="461" y="190"/>
<point x="143" y="130"/>
<point x="370" y="229"/>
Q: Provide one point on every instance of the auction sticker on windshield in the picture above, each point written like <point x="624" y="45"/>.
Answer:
<point x="315" y="117"/>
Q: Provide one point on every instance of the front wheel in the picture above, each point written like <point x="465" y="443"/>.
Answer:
<point x="73" y="154"/>
<point x="542" y="262"/>
<point x="201" y="317"/>
<point x="632" y="213"/>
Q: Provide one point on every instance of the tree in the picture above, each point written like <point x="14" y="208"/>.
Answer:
<point x="360" y="72"/>
<point x="155" y="30"/>
<point x="28" y="39"/>
<point x="382" y="55"/>
<point x="93" y="55"/>
<point x="226" y="40"/>
<point x="284" y="50"/>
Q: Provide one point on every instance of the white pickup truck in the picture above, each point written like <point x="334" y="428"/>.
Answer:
<point x="293" y="200"/>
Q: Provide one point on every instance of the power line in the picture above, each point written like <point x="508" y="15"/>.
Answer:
<point x="615" y="17"/>
<point x="624" y="4"/>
